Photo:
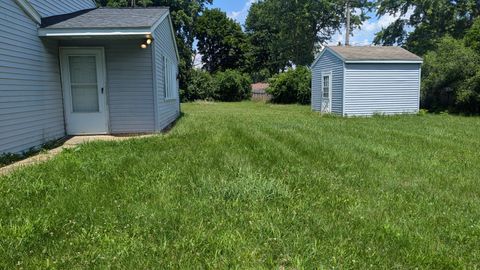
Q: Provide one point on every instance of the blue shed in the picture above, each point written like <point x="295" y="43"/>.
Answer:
<point x="362" y="81"/>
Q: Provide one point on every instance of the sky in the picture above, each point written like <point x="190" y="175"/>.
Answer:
<point x="238" y="10"/>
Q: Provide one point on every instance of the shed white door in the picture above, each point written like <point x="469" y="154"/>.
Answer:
<point x="83" y="79"/>
<point x="326" y="93"/>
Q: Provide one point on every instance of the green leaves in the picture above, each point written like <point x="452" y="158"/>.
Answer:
<point x="292" y="86"/>
<point x="429" y="20"/>
<point x="221" y="41"/>
<point x="200" y="86"/>
<point x="286" y="33"/>
<point x="230" y="85"/>
<point x="472" y="38"/>
<point x="451" y="78"/>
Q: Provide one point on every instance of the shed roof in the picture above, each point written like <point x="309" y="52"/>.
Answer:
<point x="386" y="53"/>
<point x="101" y="18"/>
<point x="371" y="54"/>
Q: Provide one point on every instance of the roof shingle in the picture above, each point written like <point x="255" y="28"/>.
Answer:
<point x="374" y="53"/>
<point x="107" y="18"/>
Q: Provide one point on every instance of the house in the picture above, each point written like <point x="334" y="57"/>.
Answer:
<point x="70" y="68"/>
<point x="362" y="81"/>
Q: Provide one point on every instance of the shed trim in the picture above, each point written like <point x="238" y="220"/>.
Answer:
<point x="343" y="87"/>
<point x="323" y="52"/>
<point x="364" y="61"/>
<point x="419" y="86"/>
<point x="382" y="62"/>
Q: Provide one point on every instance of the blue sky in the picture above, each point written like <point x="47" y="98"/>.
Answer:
<point x="238" y="10"/>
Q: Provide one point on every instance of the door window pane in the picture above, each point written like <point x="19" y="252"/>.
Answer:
<point x="85" y="99"/>
<point x="83" y="80"/>
<point x="326" y="86"/>
<point x="83" y="69"/>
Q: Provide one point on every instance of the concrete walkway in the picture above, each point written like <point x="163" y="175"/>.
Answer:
<point x="69" y="143"/>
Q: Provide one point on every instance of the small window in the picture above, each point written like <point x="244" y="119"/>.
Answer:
<point x="326" y="86"/>
<point x="170" y="79"/>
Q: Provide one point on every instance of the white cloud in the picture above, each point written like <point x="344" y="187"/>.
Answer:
<point x="241" y="15"/>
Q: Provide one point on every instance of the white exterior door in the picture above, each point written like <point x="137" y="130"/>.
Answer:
<point x="84" y="91"/>
<point x="326" y="93"/>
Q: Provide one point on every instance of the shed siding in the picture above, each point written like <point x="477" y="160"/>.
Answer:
<point x="328" y="62"/>
<point x="129" y="84"/>
<point x="382" y="88"/>
<point x="31" y="107"/>
<point x="164" y="46"/>
<point x="47" y="8"/>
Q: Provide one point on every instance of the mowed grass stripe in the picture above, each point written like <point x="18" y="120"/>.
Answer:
<point x="254" y="186"/>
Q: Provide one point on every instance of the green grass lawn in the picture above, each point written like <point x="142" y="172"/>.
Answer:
<point x="248" y="185"/>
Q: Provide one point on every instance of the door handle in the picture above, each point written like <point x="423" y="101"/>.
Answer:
<point x="102" y="90"/>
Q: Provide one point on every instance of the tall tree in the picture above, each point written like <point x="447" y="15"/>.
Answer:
<point x="430" y="19"/>
<point x="221" y="41"/>
<point x="184" y="16"/>
<point x="287" y="32"/>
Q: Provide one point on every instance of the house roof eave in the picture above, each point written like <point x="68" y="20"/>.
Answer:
<point x="94" y="32"/>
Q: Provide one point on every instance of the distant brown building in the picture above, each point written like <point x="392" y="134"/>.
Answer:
<point x="259" y="92"/>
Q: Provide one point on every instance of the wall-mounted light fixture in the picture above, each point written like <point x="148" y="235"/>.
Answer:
<point x="147" y="42"/>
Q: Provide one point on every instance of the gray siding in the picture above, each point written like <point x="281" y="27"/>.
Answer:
<point x="164" y="46"/>
<point x="129" y="84"/>
<point x="382" y="88"/>
<point x="47" y="8"/>
<point x="328" y="62"/>
<point x="31" y="107"/>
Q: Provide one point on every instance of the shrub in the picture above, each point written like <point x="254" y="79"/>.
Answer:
<point x="451" y="78"/>
<point x="232" y="85"/>
<point x="293" y="86"/>
<point x="260" y="76"/>
<point x="200" y="86"/>
<point x="9" y="158"/>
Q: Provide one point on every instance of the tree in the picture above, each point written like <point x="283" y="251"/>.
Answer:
<point x="221" y="41"/>
<point x="284" y="33"/>
<point x="263" y="36"/>
<point x="184" y="16"/>
<point x="451" y="78"/>
<point x="430" y="19"/>
<point x="472" y="38"/>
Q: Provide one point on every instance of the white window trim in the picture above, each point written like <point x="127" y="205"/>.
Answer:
<point x="330" y="75"/>
<point x="169" y="80"/>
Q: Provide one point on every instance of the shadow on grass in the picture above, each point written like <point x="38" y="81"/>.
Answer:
<point x="10" y="158"/>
